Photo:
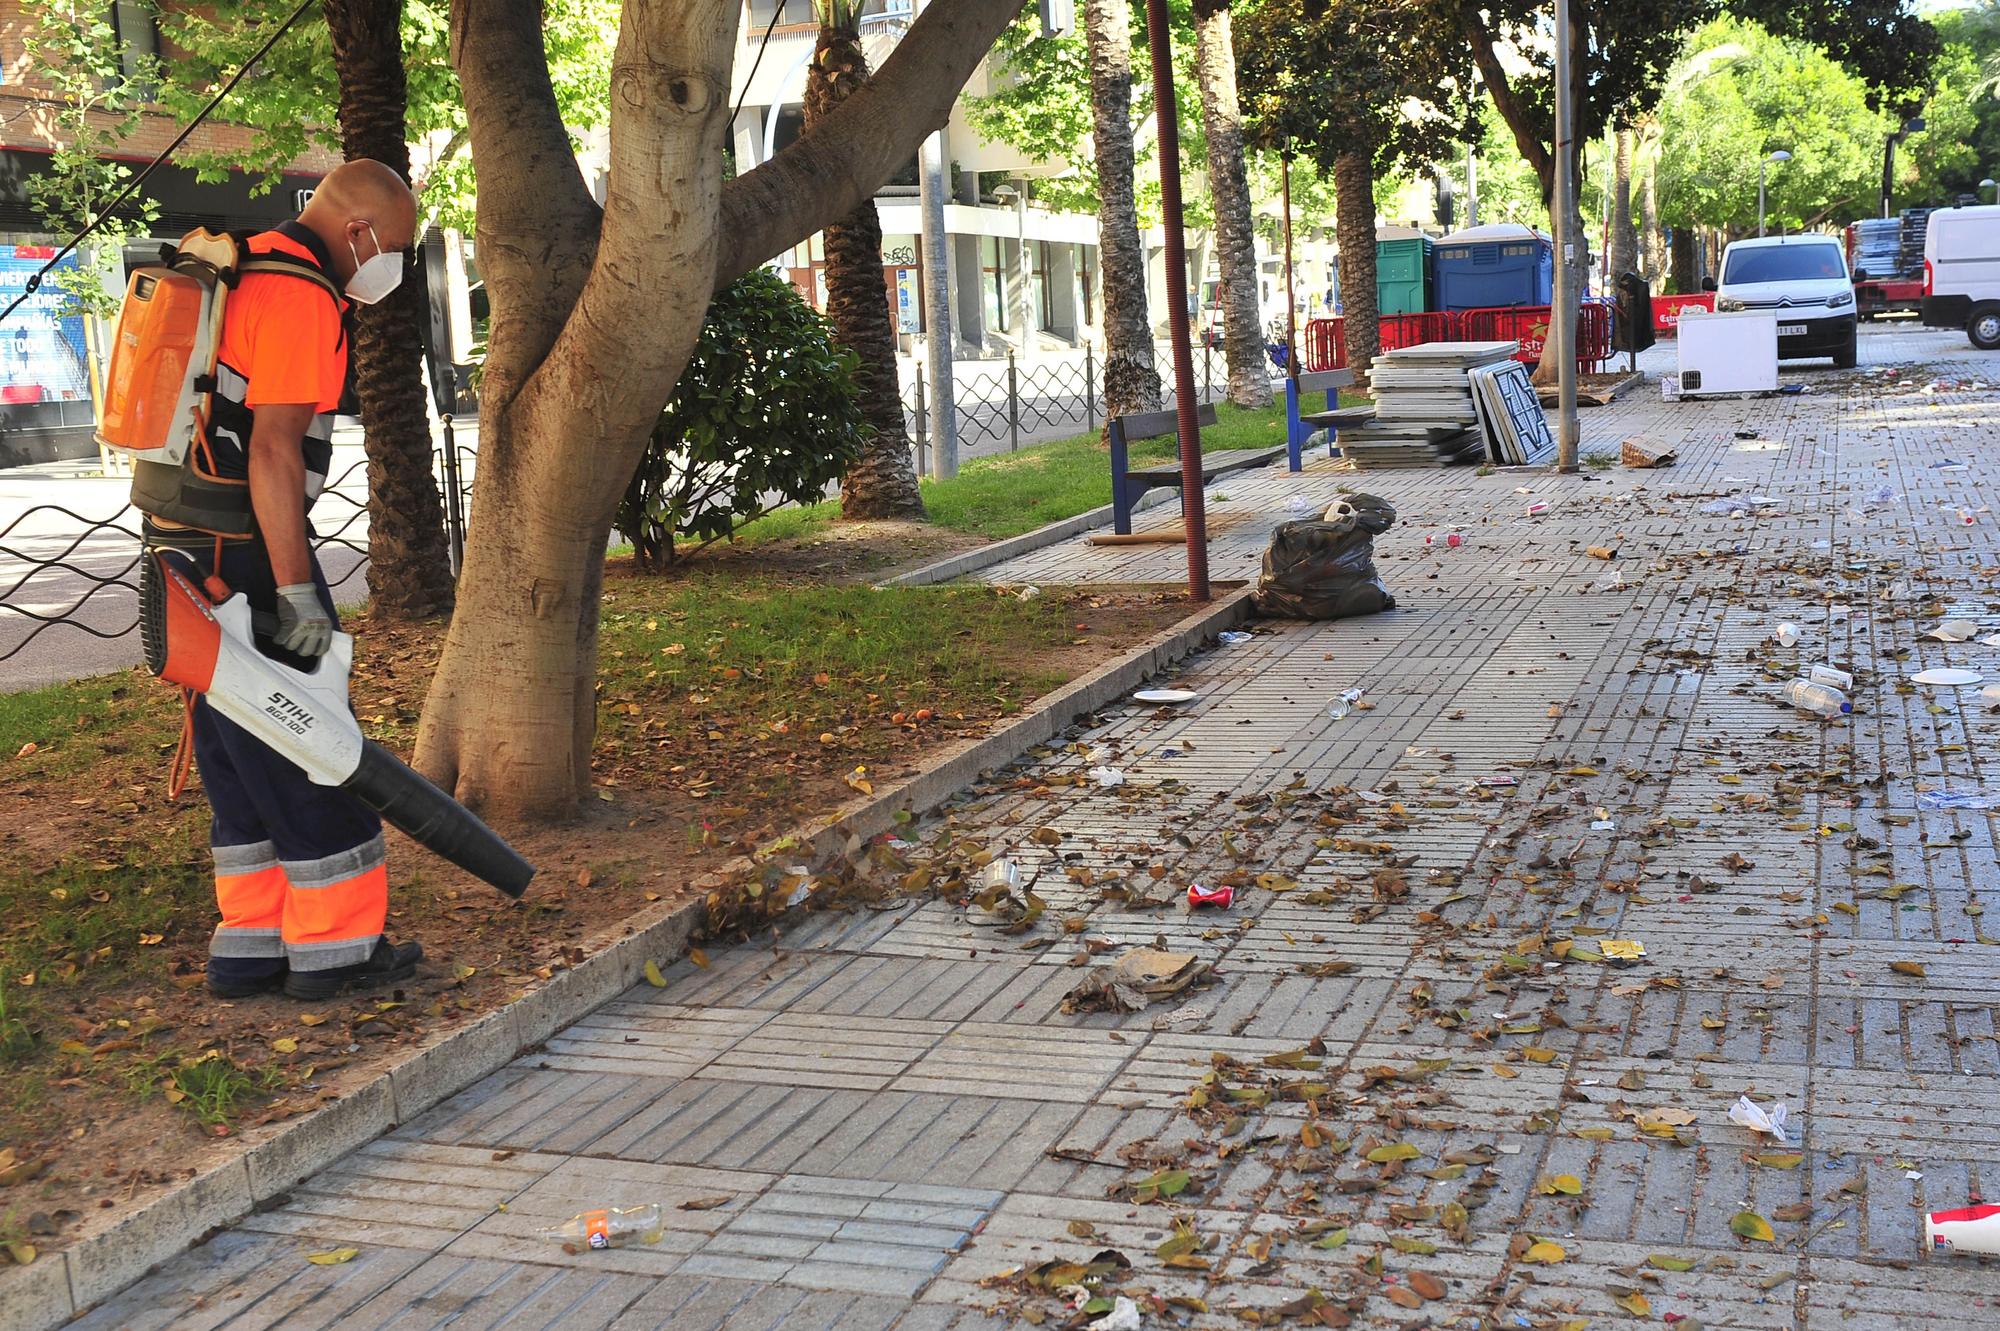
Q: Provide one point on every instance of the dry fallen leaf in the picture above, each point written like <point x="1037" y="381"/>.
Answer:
<point x="333" y="1256"/>
<point x="1750" y="1225"/>
<point x="1911" y="968"/>
<point x="653" y="976"/>
<point x="1544" y="1252"/>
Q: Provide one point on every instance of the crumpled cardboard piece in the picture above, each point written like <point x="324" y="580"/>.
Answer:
<point x="1642" y="452"/>
<point x="1142" y="976"/>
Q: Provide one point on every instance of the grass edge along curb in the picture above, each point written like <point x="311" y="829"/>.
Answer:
<point x="64" y="1284"/>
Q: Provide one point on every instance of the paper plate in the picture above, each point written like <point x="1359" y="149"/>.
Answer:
<point x="1165" y="695"/>
<point x="1947" y="675"/>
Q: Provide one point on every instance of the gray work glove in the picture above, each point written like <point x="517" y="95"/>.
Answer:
<point x="303" y="625"/>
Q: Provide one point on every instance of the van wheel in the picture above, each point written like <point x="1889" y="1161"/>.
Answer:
<point x="1984" y="328"/>
<point x="1848" y="356"/>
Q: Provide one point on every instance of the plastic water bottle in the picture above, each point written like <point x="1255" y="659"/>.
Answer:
<point x="1819" y="699"/>
<point x="609" y="1228"/>
<point x="1826" y="674"/>
<point x="1345" y="703"/>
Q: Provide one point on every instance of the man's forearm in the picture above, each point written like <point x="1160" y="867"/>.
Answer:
<point x="277" y="497"/>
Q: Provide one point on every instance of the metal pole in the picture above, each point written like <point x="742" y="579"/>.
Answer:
<point x="1762" y="164"/>
<point x="1888" y="169"/>
<point x="1090" y="385"/>
<point x="1567" y="432"/>
<point x="923" y="421"/>
<point x="1291" y="290"/>
<point x="937" y="310"/>
<point x="1024" y="271"/>
<point x="1159" y="38"/>
<point x="454" y="501"/>
<point x="1013" y="404"/>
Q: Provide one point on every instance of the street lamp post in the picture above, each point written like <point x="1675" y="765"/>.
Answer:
<point x="1023" y="300"/>
<point x="1779" y="156"/>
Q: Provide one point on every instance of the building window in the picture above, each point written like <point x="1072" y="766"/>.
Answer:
<point x="790" y="13"/>
<point x="137" y="33"/>
<point x="991" y="261"/>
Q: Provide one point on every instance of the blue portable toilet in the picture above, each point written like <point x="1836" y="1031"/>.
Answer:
<point x="1487" y="266"/>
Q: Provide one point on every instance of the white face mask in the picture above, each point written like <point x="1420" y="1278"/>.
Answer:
<point x="374" y="277"/>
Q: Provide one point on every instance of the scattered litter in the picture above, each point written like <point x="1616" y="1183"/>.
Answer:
<point x="1233" y="637"/>
<point x="1991" y="693"/>
<point x="1949" y="464"/>
<point x="1298" y="504"/>
<point x="1745" y="1113"/>
<point x="1641" y="452"/>
<point x="1449" y="540"/>
<point x="1786" y="634"/>
<point x="1142" y="976"/>
<point x="1124" y="1316"/>
<point x="1965" y="516"/>
<point x="1107" y="777"/>
<point x="1728" y="508"/>
<point x="1826" y="674"/>
<point x="609" y="1228"/>
<point x="1003" y="874"/>
<point x="1344" y="703"/>
<point x="1746" y="434"/>
<point x="1326" y="569"/>
<point x="1499" y="782"/>
<point x="1949" y="676"/>
<point x="1913" y="1175"/>
<point x="1968" y="1229"/>
<point x="1027" y="593"/>
<point x="1622" y="949"/>
<point x="1938" y="801"/>
<point x="1165" y="695"/>
<point x="1792" y="390"/>
<point x="1821" y="700"/>
<point x="1199" y="896"/>
<point x="1536" y="509"/>
<point x="1953" y="630"/>
<point x="1602" y="551"/>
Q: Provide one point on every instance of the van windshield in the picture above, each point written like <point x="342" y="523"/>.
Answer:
<point x="1784" y="263"/>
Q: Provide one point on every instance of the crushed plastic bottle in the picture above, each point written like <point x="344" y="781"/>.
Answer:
<point x="1297" y="504"/>
<point x="1449" y="540"/>
<point x="1820" y="699"/>
<point x="1832" y="678"/>
<point x="1345" y="703"/>
<point x="1786" y="635"/>
<point x="1935" y="801"/>
<point x="609" y="1228"/>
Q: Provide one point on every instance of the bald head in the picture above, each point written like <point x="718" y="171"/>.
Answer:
<point x="360" y="206"/>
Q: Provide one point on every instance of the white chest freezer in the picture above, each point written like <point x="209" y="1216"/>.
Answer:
<point x="1728" y="353"/>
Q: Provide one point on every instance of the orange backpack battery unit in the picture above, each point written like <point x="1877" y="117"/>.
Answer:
<point x="160" y="377"/>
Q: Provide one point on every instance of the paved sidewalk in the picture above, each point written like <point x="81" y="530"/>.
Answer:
<point x="1417" y="1074"/>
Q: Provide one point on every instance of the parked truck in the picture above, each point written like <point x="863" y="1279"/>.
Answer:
<point x="1888" y="275"/>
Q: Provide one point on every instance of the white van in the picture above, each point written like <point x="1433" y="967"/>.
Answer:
<point x="1962" y="273"/>
<point x="1803" y="281"/>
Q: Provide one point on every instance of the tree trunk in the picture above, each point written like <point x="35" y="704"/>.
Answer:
<point x="1130" y="383"/>
<point x="1354" y="222"/>
<point x="1649" y="238"/>
<point x="1685" y="280"/>
<point x="882" y="481"/>
<point x="409" y="566"/>
<point x="1624" y="256"/>
<point x="1229" y="187"/>
<point x="593" y="320"/>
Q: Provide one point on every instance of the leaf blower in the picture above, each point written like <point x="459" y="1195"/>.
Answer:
<point x="204" y="642"/>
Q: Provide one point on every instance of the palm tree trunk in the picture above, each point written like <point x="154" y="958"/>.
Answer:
<point x="1354" y="221"/>
<point x="1683" y="263"/>
<point x="1624" y="239"/>
<point x="1649" y="239"/>
<point x="1229" y="186"/>
<point x="409" y="568"/>
<point x="1130" y="383"/>
<point x="882" y="482"/>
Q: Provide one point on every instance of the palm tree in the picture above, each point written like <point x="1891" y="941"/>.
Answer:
<point x="1229" y="186"/>
<point x="882" y="483"/>
<point x="1354" y="226"/>
<point x="409" y="569"/>
<point x="1130" y="382"/>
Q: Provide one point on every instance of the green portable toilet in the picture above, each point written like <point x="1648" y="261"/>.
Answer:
<point x="1402" y="270"/>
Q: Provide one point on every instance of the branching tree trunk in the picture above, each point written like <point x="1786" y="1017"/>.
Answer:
<point x="1229" y="187"/>
<point x="1649" y="237"/>
<point x="409" y="568"/>
<point x="593" y="319"/>
<point x="1130" y="383"/>
<point x="1624" y="256"/>
<point x="882" y="482"/>
<point x="1354" y="223"/>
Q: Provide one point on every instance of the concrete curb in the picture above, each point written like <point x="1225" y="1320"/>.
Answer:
<point x="63" y="1284"/>
<point x="999" y="552"/>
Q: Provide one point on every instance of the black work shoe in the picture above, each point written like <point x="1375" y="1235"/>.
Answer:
<point x="390" y="963"/>
<point x="249" y="986"/>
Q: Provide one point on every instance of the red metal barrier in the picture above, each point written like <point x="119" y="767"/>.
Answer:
<point x="1529" y="326"/>
<point x="1667" y="310"/>
<point x="1326" y="339"/>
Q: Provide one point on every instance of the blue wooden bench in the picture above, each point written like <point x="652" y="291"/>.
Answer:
<point x="1299" y="426"/>
<point x="1128" y="483"/>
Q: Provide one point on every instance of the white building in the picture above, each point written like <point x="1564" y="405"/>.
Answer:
<point x="1060" y="305"/>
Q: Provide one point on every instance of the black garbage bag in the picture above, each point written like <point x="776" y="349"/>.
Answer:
<point x="1326" y="569"/>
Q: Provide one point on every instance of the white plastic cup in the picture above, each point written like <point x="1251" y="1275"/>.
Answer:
<point x="1969" y="1229"/>
<point x="1786" y="635"/>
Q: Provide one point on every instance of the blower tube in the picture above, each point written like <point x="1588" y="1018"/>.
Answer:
<point x="408" y="802"/>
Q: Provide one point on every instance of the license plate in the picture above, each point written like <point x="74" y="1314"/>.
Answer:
<point x="1791" y="330"/>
